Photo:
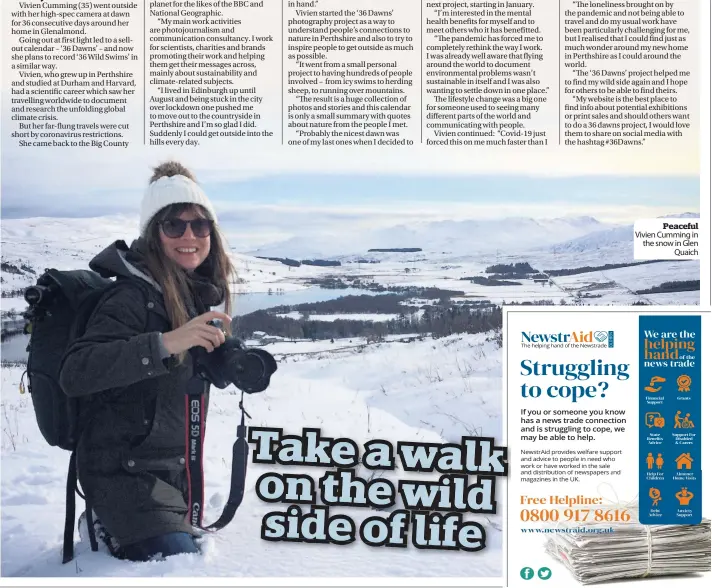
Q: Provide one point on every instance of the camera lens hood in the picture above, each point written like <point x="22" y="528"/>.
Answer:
<point x="257" y="361"/>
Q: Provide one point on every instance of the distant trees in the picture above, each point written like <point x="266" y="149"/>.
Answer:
<point x="9" y="268"/>
<point x="13" y="293"/>
<point x="490" y="281"/>
<point x="678" y="286"/>
<point x="595" y="268"/>
<point x="284" y="260"/>
<point x="562" y="302"/>
<point x="384" y="303"/>
<point x="321" y="262"/>
<point x="438" y="321"/>
<point x="520" y="268"/>
<point x="412" y="291"/>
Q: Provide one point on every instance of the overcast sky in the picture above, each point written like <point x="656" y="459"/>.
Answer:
<point x="99" y="189"/>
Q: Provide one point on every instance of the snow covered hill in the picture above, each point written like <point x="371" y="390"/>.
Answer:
<point x="597" y="240"/>
<point x="453" y="237"/>
<point x="31" y="245"/>
<point x="619" y="237"/>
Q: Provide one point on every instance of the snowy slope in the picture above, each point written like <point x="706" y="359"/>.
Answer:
<point x="596" y="240"/>
<point x="454" y="237"/>
<point x="435" y="391"/>
<point x="70" y="243"/>
<point x="621" y="236"/>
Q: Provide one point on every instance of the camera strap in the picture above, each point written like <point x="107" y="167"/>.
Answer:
<point x="195" y="436"/>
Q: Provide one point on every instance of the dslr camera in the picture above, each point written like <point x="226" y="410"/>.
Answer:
<point x="248" y="368"/>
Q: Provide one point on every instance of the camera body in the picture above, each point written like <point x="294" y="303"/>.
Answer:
<point x="248" y="368"/>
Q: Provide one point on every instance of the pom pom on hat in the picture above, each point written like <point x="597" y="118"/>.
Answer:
<point x="172" y="184"/>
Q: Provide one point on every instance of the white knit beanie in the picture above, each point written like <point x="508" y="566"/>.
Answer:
<point x="176" y="189"/>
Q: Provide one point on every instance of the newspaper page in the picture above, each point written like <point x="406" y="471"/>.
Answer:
<point x="334" y="292"/>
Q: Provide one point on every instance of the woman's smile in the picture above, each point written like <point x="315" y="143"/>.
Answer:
<point x="188" y="250"/>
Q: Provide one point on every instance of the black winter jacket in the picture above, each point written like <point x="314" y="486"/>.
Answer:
<point x="131" y="456"/>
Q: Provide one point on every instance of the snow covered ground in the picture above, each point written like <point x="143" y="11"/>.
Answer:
<point x="430" y="390"/>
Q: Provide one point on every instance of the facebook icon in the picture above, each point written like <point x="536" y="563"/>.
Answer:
<point x="526" y="573"/>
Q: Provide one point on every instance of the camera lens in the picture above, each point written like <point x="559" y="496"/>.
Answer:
<point x="253" y="369"/>
<point x="33" y="295"/>
<point x="248" y="369"/>
<point x="260" y="365"/>
<point x="40" y="294"/>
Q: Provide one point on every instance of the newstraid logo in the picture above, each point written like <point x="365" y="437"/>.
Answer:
<point x="570" y="339"/>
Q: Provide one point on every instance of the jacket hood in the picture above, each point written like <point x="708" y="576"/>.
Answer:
<point x="118" y="259"/>
<point x="112" y="262"/>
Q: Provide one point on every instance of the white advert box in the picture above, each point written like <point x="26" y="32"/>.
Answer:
<point x="571" y="391"/>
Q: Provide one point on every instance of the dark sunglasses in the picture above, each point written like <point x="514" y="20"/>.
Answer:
<point x="175" y="227"/>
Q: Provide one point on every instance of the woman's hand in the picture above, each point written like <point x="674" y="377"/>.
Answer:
<point x="196" y="332"/>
